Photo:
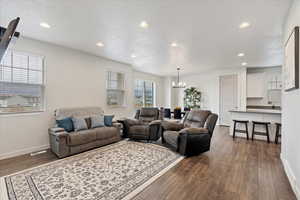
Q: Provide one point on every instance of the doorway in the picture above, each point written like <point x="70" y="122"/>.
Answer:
<point x="228" y="98"/>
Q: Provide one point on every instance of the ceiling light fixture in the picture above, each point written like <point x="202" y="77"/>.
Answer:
<point x="241" y="54"/>
<point x="244" y="63"/>
<point x="45" y="25"/>
<point x="178" y="84"/>
<point x="100" y="44"/>
<point x="174" y="44"/>
<point x="133" y="56"/>
<point x="144" y="24"/>
<point x="244" y="25"/>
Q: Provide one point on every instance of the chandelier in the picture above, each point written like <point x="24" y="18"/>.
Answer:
<point x="178" y="84"/>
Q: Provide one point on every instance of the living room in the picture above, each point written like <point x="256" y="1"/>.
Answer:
<point x="115" y="59"/>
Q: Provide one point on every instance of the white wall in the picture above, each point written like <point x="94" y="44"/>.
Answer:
<point x="73" y="79"/>
<point x="208" y="84"/>
<point x="290" y="115"/>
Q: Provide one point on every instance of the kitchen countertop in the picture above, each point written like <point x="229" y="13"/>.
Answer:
<point x="262" y="111"/>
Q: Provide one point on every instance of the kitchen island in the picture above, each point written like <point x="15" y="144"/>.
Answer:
<point x="261" y="115"/>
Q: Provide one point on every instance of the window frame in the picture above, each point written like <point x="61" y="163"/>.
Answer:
<point x="42" y="85"/>
<point x="123" y="90"/>
<point x="144" y="92"/>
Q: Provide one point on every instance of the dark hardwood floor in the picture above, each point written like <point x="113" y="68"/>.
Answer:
<point x="233" y="169"/>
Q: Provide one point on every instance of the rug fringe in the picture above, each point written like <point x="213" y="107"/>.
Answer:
<point x="3" y="190"/>
<point x="151" y="180"/>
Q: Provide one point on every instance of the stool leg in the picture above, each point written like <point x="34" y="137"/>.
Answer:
<point x="267" y="131"/>
<point x="234" y="130"/>
<point x="253" y="128"/>
<point x="277" y="133"/>
<point x="247" y="131"/>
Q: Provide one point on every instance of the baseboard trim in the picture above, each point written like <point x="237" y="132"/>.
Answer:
<point x="291" y="176"/>
<point x="23" y="151"/>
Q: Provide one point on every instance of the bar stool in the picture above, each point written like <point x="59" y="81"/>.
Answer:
<point x="278" y="132"/>
<point x="245" y="122"/>
<point x="266" y="124"/>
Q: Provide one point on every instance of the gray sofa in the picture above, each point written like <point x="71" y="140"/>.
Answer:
<point x="65" y="144"/>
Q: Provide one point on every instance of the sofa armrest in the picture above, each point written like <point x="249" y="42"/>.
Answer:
<point x="194" y="131"/>
<point x="58" y="142"/>
<point x="171" y="126"/>
<point x="193" y="143"/>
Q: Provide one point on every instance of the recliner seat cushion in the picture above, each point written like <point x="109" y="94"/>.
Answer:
<point x="106" y="132"/>
<point x="81" y="137"/>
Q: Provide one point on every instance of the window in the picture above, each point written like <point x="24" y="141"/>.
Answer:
<point x="115" y="89"/>
<point x="144" y="93"/>
<point x="21" y="82"/>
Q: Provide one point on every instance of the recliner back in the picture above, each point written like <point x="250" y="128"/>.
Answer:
<point x="148" y="114"/>
<point x="196" y="118"/>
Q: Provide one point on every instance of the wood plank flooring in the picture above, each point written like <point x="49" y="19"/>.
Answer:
<point x="233" y="169"/>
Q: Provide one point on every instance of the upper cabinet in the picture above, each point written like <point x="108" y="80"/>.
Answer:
<point x="255" y="85"/>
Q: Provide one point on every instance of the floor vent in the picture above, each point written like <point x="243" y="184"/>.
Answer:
<point x="37" y="153"/>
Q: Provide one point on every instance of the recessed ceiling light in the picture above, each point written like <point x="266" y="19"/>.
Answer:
<point x="45" y="25"/>
<point x="241" y="54"/>
<point x="144" y="24"/>
<point x="100" y="44"/>
<point x="244" y="25"/>
<point x="174" y="44"/>
<point x="244" y="63"/>
<point x="133" y="56"/>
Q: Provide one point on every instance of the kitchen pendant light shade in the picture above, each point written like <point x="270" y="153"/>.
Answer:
<point x="178" y="84"/>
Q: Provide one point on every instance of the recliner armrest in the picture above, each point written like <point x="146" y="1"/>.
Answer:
<point x="132" y="122"/>
<point x="171" y="126"/>
<point x="56" y="130"/>
<point x="194" y="131"/>
<point x="155" y="122"/>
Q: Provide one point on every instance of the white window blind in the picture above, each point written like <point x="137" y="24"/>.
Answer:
<point x="21" y="82"/>
<point x="144" y="93"/>
<point x="115" y="91"/>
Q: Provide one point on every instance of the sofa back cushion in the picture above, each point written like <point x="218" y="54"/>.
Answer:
<point x="196" y="118"/>
<point x="83" y="112"/>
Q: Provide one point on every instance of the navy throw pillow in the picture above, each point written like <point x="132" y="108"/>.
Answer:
<point x="66" y="124"/>
<point x="108" y="120"/>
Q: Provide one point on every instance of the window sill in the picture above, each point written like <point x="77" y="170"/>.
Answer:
<point x="21" y="113"/>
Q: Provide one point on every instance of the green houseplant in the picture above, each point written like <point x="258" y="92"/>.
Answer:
<point x="192" y="98"/>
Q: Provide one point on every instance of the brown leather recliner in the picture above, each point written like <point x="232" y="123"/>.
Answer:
<point x="145" y="126"/>
<point x="193" y="135"/>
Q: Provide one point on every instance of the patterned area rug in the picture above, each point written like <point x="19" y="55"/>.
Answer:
<point x="117" y="171"/>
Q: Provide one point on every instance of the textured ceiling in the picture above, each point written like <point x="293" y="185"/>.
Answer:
<point x="206" y="31"/>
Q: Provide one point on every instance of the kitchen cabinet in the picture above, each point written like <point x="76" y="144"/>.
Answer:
<point x="255" y="85"/>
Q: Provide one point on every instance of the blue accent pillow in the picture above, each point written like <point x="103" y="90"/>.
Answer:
<point x="97" y="121"/>
<point x="108" y="120"/>
<point x="66" y="124"/>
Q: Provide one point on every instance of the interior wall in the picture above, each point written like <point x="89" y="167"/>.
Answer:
<point x="208" y="84"/>
<point x="290" y="115"/>
<point x="73" y="79"/>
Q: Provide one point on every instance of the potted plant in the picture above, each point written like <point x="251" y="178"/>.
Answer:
<point x="192" y="98"/>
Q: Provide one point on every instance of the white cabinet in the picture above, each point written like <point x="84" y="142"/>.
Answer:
<point x="255" y="85"/>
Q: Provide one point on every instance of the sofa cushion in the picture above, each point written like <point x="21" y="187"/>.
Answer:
<point x="108" y="120"/>
<point x="79" y="124"/>
<point x="106" y="132"/>
<point x="66" y="124"/>
<point x="82" y="137"/>
<point x="171" y="137"/>
<point x="139" y="129"/>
